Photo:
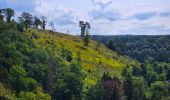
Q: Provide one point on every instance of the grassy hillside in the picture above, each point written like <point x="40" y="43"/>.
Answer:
<point x="96" y="58"/>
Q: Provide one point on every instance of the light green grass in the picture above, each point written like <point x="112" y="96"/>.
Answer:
<point x="111" y="62"/>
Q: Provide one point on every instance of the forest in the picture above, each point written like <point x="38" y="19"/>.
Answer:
<point x="139" y="47"/>
<point x="152" y="51"/>
<point x="40" y="64"/>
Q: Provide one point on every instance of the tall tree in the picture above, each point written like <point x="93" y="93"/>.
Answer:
<point x="37" y="22"/>
<point x="86" y="40"/>
<point x="51" y="24"/>
<point x="110" y="45"/>
<point x="1" y="15"/>
<point x="44" y="21"/>
<point x="85" y="26"/>
<point x="107" y="89"/>
<point x="9" y="13"/>
<point x="88" y="26"/>
<point x="26" y="19"/>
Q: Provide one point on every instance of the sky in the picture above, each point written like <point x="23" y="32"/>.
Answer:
<point x="107" y="17"/>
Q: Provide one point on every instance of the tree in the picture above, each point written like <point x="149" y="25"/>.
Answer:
<point x="1" y="15"/>
<point x="69" y="85"/>
<point x="5" y="93"/>
<point x="37" y="22"/>
<point x="44" y="21"/>
<point x="110" y="45"/>
<point x="159" y="90"/>
<point x="84" y="28"/>
<point x="128" y="87"/>
<point x="134" y="88"/>
<point x="106" y="89"/>
<point x="78" y="57"/>
<point x="9" y="13"/>
<point x="37" y="94"/>
<point x="51" y="24"/>
<point x="26" y="19"/>
<point x="88" y="26"/>
<point x="86" y="40"/>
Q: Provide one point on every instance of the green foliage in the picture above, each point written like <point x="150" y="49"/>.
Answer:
<point x="86" y="40"/>
<point x="70" y="85"/>
<point x="5" y="93"/>
<point x="96" y="92"/>
<point x="37" y="22"/>
<point x="36" y="61"/>
<point x="139" y="47"/>
<point x="44" y="21"/>
<point x="159" y="90"/>
<point x="20" y="81"/>
<point x="8" y="12"/>
<point x="66" y="54"/>
<point x="35" y="95"/>
<point x="106" y="89"/>
<point x="1" y="15"/>
<point x="26" y="19"/>
<point x="134" y="88"/>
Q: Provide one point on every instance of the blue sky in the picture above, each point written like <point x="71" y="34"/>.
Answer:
<point x="107" y="17"/>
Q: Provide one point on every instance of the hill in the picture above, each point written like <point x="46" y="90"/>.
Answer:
<point x="44" y="64"/>
<point x="95" y="59"/>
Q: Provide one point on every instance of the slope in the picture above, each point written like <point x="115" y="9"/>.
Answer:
<point x="96" y="58"/>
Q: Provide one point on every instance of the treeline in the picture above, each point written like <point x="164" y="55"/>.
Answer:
<point x="139" y="47"/>
<point x="24" y="21"/>
<point x="149" y="81"/>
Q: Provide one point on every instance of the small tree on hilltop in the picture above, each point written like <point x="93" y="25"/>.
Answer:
<point x="26" y="19"/>
<point x="87" y="40"/>
<point x="1" y="15"/>
<point x="9" y="13"/>
<point x="85" y="32"/>
<point x="51" y="24"/>
<point x="37" y="22"/>
<point x="44" y="21"/>
<point x="83" y="27"/>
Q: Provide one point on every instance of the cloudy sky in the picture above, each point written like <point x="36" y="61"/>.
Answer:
<point x="107" y="17"/>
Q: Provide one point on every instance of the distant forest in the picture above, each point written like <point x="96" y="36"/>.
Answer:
<point x="140" y="47"/>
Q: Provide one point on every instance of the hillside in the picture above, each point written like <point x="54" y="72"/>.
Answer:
<point x="40" y="64"/>
<point x="96" y="58"/>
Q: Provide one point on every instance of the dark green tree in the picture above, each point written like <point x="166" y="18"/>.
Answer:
<point x="26" y="19"/>
<point x="86" y="40"/>
<point x="159" y="90"/>
<point x="1" y="15"/>
<point x="110" y="45"/>
<point x="69" y="85"/>
<point x="37" y="22"/>
<point x="9" y="13"/>
<point x="106" y="89"/>
<point x="44" y="21"/>
<point x="85" y="26"/>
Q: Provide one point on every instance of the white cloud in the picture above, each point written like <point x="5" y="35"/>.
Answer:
<point x="102" y="1"/>
<point x="105" y="16"/>
<point x="64" y="18"/>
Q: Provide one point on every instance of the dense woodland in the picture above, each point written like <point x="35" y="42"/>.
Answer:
<point x="154" y="54"/>
<point x="139" y="47"/>
<point x="32" y="72"/>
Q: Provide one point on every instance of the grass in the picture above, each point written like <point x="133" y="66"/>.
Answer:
<point x="96" y="58"/>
